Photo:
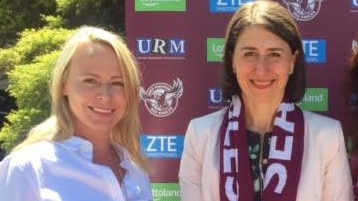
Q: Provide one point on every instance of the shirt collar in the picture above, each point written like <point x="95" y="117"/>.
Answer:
<point x="84" y="148"/>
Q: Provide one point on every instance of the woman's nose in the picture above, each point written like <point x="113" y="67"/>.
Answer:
<point x="104" y="93"/>
<point x="262" y="65"/>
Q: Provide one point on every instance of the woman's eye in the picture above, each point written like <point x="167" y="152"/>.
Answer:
<point x="274" y="54"/>
<point x="90" y="81"/>
<point x="249" y="54"/>
<point x="118" y="83"/>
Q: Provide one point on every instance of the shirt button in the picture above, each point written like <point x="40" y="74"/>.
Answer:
<point x="138" y="189"/>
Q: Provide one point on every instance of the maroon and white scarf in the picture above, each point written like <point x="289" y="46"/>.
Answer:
<point x="284" y="160"/>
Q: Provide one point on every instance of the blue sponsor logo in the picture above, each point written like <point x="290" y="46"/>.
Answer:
<point x="315" y="51"/>
<point x="162" y="146"/>
<point x="174" y="47"/>
<point x="226" y="6"/>
<point x="215" y="99"/>
<point x="355" y="4"/>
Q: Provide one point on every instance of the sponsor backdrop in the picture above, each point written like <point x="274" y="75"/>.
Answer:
<point x="179" y="46"/>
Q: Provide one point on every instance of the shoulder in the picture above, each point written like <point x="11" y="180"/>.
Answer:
<point x="23" y="167"/>
<point x="205" y="128"/>
<point x="210" y="120"/>
<point x="320" y="122"/>
<point x="29" y="156"/>
<point x="320" y="129"/>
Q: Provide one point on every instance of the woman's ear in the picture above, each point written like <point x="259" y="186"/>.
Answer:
<point x="64" y="89"/>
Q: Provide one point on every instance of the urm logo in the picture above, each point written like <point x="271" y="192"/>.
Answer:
<point x="157" y="46"/>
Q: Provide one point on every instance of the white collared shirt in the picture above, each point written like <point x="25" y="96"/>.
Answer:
<point x="65" y="171"/>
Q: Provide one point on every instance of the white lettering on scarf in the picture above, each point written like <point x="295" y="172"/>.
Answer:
<point x="230" y="156"/>
<point x="280" y="170"/>
<point x="233" y="126"/>
<point x="281" y="154"/>
<point x="277" y="168"/>
<point x="229" y="183"/>
<point x="282" y="121"/>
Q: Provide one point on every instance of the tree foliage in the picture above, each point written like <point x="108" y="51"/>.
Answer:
<point x="37" y="52"/>
<point x="32" y="43"/>
<point x="15" y="16"/>
<point x="18" y="15"/>
<point x="31" y="34"/>
<point x="103" y="13"/>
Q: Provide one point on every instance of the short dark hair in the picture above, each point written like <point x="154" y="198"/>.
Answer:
<point x="275" y="18"/>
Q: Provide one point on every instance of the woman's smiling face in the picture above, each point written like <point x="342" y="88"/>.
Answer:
<point x="262" y="63"/>
<point x="95" y="89"/>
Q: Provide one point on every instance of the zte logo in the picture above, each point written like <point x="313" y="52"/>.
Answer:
<point x="157" y="146"/>
<point x="161" y="143"/>
<point x="161" y="47"/>
<point x="231" y="2"/>
<point x="315" y="51"/>
<point x="226" y="6"/>
<point x="355" y="3"/>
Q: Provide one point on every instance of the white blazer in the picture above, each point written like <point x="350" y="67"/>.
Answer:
<point x="325" y="174"/>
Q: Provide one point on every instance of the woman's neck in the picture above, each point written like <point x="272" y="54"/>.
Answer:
<point x="101" y="144"/>
<point x="260" y="116"/>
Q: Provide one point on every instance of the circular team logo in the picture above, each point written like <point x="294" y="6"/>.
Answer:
<point x="302" y="10"/>
<point x="161" y="99"/>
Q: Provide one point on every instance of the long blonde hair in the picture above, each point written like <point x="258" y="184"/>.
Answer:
<point x="60" y="126"/>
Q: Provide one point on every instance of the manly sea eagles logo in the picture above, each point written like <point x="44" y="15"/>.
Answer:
<point x="303" y="11"/>
<point x="161" y="99"/>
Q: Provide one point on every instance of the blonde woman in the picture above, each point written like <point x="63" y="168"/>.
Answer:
<point x="89" y="149"/>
